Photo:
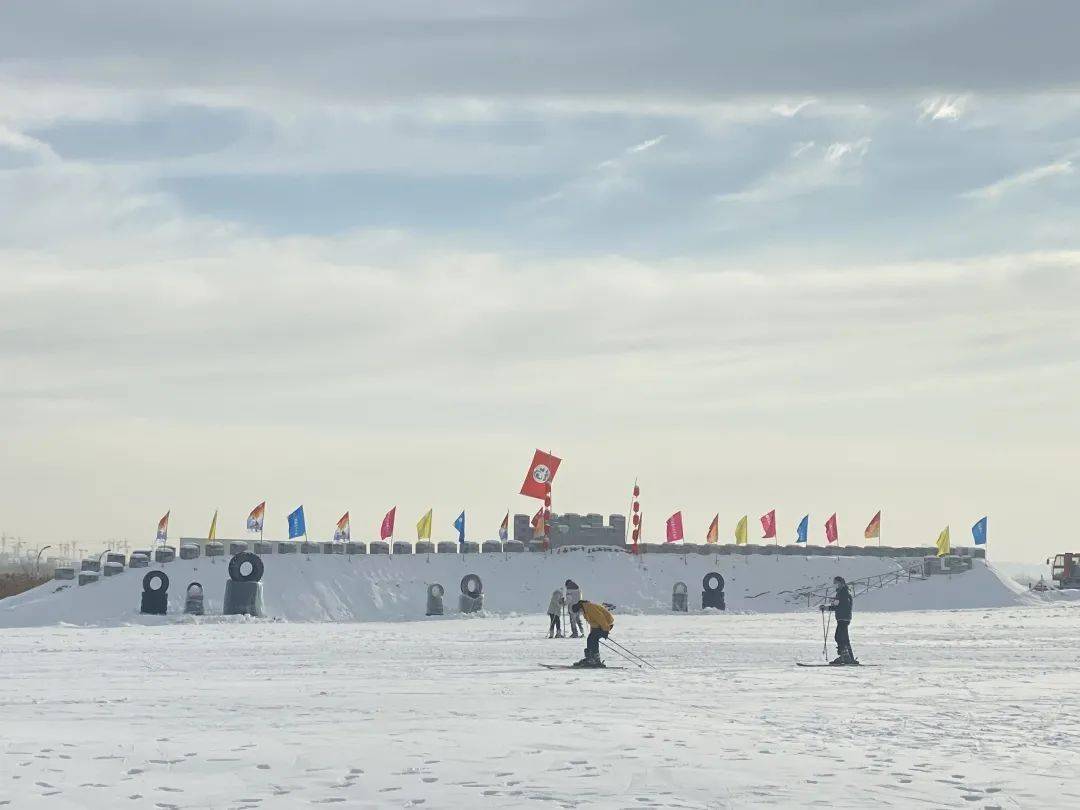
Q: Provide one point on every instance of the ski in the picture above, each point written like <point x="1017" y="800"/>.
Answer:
<point x="571" y="666"/>
<point x="834" y="666"/>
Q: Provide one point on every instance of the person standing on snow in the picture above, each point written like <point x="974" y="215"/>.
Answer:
<point x="600" y="623"/>
<point x="573" y="596"/>
<point x="555" y="607"/>
<point x="842" y="607"/>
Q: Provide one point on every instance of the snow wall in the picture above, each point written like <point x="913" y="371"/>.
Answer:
<point x="394" y="587"/>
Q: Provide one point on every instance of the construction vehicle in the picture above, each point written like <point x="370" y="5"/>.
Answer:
<point x="1065" y="570"/>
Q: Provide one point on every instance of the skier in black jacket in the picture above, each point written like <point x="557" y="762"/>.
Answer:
<point x="841" y="607"/>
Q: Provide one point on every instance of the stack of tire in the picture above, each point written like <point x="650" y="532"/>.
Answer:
<point x="713" y="594"/>
<point x="472" y="594"/>
<point x="243" y="589"/>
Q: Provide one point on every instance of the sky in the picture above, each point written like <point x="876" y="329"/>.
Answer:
<point x="818" y="258"/>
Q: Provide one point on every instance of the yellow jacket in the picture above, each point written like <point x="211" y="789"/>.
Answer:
<point x="597" y="616"/>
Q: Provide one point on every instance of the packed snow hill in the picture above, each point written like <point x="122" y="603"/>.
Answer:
<point x="331" y="588"/>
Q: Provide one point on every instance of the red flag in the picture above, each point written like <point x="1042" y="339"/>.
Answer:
<point x="504" y="529"/>
<point x="674" y="528"/>
<point x="831" y="533"/>
<point x="386" y="531"/>
<point x="541" y="473"/>
<point x="768" y="525"/>
<point x="714" y="530"/>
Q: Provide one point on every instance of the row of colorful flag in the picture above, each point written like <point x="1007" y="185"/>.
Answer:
<point x="674" y="528"/>
<point x="538" y="484"/>
<point x="342" y="533"/>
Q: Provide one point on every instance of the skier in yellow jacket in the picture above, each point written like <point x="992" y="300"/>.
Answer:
<point x="600" y="623"/>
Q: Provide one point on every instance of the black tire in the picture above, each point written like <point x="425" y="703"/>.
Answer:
<point x="471" y="585"/>
<point x="713" y="582"/>
<point x="197" y="585"/>
<point x="236" y="564"/>
<point x="160" y="576"/>
<point x="435" y="590"/>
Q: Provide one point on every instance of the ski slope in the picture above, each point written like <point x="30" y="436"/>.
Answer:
<point x="967" y="709"/>
<point x="380" y="588"/>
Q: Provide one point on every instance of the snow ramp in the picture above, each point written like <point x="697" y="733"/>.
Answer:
<point x="334" y="588"/>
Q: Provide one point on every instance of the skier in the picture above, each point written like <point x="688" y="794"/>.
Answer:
<point x="842" y="606"/>
<point x="555" y="607"/>
<point x="600" y="623"/>
<point x="573" y="596"/>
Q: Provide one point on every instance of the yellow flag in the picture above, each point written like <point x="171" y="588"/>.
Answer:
<point x="740" y="531"/>
<point x="943" y="546"/>
<point x="423" y="528"/>
<point x="210" y="538"/>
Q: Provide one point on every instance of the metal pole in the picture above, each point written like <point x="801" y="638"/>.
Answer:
<point x="638" y="664"/>
<point x="631" y="652"/>
<point x="38" y="558"/>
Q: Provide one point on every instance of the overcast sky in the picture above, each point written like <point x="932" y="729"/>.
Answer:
<point x="812" y="257"/>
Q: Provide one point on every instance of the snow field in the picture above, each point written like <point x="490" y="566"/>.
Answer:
<point x="968" y="709"/>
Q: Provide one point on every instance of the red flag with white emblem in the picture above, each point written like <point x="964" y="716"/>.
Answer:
<point x="768" y="525"/>
<point x="831" y="533"/>
<point x="540" y="475"/>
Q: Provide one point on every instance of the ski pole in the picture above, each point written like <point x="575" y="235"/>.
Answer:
<point x="631" y="652"/>
<point x="625" y="650"/>
<point x="825" y="639"/>
<point x="615" y="650"/>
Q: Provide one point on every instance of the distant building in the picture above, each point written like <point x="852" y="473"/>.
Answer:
<point x="576" y="530"/>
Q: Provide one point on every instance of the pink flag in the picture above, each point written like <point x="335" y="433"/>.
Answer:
<point x="830" y="529"/>
<point x="768" y="525"/>
<point x="674" y="528"/>
<point x="387" y="529"/>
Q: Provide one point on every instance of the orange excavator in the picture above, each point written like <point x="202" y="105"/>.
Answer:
<point x="1065" y="570"/>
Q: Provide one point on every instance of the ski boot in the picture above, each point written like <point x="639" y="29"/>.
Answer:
<point x="844" y="659"/>
<point x="590" y="662"/>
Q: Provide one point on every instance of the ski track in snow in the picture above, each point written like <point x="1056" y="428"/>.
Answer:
<point x="970" y="708"/>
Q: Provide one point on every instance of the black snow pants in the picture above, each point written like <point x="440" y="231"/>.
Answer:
<point x="556" y="624"/>
<point x="592" y="643"/>
<point x="843" y="643"/>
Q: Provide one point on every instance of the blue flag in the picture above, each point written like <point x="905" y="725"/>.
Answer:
<point x="459" y="524"/>
<point x="297" y="527"/>
<point x="802" y="529"/>
<point x="978" y="531"/>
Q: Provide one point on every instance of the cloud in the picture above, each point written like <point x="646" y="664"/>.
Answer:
<point x="429" y="232"/>
<point x="644" y="145"/>
<point x="997" y="189"/>
<point x="847" y="150"/>
<point x="943" y="108"/>
<point x="788" y="110"/>
<point x="24" y="144"/>
<point x="808" y="170"/>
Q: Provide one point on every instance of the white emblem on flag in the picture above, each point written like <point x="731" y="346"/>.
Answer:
<point x="541" y="474"/>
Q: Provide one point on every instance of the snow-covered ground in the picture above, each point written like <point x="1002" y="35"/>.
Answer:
<point x="970" y="708"/>
<point x="373" y="588"/>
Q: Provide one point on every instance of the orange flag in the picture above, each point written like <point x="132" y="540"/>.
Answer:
<point x="873" y="528"/>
